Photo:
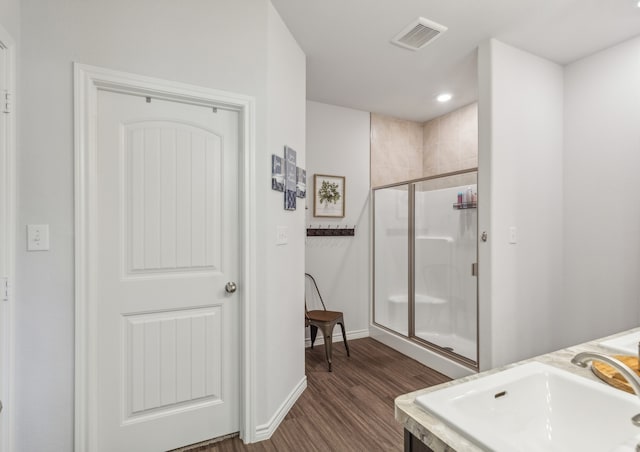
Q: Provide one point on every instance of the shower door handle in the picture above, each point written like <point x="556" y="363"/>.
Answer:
<point x="474" y="269"/>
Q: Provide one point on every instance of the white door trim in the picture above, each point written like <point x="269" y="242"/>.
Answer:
<point x="8" y="148"/>
<point x="87" y="81"/>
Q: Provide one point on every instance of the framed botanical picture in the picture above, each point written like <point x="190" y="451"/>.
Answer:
<point x="328" y="196"/>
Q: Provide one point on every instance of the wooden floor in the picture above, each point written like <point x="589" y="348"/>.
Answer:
<point x="349" y="409"/>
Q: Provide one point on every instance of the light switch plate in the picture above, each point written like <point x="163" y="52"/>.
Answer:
<point x="282" y="235"/>
<point x="37" y="237"/>
<point x="513" y="235"/>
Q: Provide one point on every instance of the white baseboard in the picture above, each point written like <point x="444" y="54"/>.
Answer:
<point x="265" y="431"/>
<point x="337" y="337"/>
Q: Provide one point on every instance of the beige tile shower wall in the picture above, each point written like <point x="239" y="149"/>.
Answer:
<point x="396" y="150"/>
<point x="451" y="142"/>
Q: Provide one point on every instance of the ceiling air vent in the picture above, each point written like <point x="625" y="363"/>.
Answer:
<point x="418" y="34"/>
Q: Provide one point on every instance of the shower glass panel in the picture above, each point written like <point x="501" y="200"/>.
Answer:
<point x="445" y="255"/>
<point x="391" y="258"/>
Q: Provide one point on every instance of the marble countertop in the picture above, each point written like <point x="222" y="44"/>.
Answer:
<point x="441" y="438"/>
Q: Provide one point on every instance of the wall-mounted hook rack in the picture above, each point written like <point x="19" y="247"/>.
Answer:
<point x="328" y="231"/>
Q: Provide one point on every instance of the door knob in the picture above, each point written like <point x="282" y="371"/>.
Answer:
<point x="230" y="287"/>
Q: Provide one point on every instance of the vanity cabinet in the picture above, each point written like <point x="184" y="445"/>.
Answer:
<point x="413" y="444"/>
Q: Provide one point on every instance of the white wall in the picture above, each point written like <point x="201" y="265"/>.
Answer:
<point x="280" y="331"/>
<point x="201" y="45"/>
<point x="523" y="156"/>
<point x="602" y="211"/>
<point x="10" y="17"/>
<point x="338" y="144"/>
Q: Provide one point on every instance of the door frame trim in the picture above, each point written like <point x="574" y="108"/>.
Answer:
<point x="8" y="148"/>
<point x="87" y="81"/>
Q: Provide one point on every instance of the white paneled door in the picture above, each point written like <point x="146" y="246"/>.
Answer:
<point x="167" y="245"/>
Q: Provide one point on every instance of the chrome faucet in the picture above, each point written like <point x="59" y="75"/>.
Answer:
<point x="582" y="359"/>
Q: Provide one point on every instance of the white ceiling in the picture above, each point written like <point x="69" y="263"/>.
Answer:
<point x="351" y="63"/>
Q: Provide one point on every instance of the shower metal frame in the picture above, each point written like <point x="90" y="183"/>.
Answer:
<point x="411" y="189"/>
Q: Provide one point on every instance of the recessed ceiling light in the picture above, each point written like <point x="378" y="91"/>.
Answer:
<point x="445" y="97"/>
<point x="638" y="4"/>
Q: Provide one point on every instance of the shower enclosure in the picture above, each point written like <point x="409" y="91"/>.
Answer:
<point x="425" y="261"/>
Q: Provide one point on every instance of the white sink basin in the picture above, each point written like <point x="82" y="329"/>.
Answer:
<point x="627" y="344"/>
<point x="536" y="407"/>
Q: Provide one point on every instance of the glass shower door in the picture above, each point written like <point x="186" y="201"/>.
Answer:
<point x="445" y="255"/>
<point x="391" y="258"/>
